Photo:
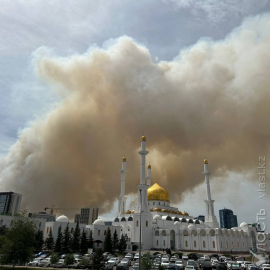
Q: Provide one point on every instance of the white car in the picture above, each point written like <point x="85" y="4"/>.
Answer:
<point x="180" y="264"/>
<point x="113" y="261"/>
<point x="185" y="257"/>
<point x="206" y="258"/>
<point x="35" y="262"/>
<point x="126" y="261"/>
<point x="129" y="256"/>
<point x="165" y="262"/>
<point x="136" y="257"/>
<point x="60" y="263"/>
<point x="45" y="263"/>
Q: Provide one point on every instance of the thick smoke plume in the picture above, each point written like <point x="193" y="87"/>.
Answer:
<point x="213" y="99"/>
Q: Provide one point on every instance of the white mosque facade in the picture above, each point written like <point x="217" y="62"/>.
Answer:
<point x="164" y="226"/>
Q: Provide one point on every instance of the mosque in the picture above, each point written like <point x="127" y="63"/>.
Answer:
<point x="164" y="226"/>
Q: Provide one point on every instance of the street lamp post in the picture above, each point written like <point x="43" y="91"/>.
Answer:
<point x="140" y="241"/>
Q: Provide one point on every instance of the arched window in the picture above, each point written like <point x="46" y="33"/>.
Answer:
<point x="47" y="230"/>
<point x="156" y="233"/>
<point x="186" y="243"/>
<point x="164" y="243"/>
<point x="194" y="243"/>
<point x="163" y="233"/>
<point x="98" y="233"/>
<point x="50" y="229"/>
<point x="137" y="223"/>
<point x="203" y="244"/>
<point x="146" y="223"/>
<point x="157" y="243"/>
<point x="214" y="244"/>
<point x="105" y="232"/>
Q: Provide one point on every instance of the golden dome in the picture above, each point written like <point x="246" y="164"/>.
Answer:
<point x="149" y="166"/>
<point x="164" y="210"/>
<point x="157" y="193"/>
<point x="205" y="161"/>
<point x="171" y="211"/>
<point x="143" y="138"/>
<point x="185" y="213"/>
<point x="133" y="211"/>
<point x="128" y="212"/>
<point x="124" y="159"/>
<point x="157" y="210"/>
<point x="179" y="212"/>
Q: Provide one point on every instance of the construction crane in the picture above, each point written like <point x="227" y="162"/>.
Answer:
<point x="53" y="208"/>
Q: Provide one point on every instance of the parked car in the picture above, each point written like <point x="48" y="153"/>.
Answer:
<point x="126" y="261"/>
<point x="180" y="264"/>
<point x="122" y="266"/>
<point x="171" y="266"/>
<point x="60" y="263"/>
<point x="114" y="261"/>
<point x="206" y="257"/>
<point x="135" y="266"/>
<point x="45" y="262"/>
<point x="189" y="267"/>
<point x="165" y="262"/>
<point x="244" y="264"/>
<point x="193" y="263"/>
<point x="221" y="266"/>
<point x="234" y="266"/>
<point x="130" y="256"/>
<point x="35" y="262"/>
<point x="76" y="263"/>
<point x="185" y="257"/>
<point x="206" y="265"/>
<point x="136" y="257"/>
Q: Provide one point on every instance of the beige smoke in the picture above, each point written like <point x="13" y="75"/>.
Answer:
<point x="213" y="100"/>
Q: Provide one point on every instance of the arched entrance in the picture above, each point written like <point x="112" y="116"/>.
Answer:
<point x="172" y="239"/>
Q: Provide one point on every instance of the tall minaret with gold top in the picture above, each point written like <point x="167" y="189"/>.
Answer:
<point x="210" y="218"/>
<point x="122" y="199"/>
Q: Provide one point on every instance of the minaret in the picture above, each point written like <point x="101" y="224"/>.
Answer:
<point x="122" y="199"/>
<point x="210" y="218"/>
<point x="142" y="201"/>
<point x="149" y="176"/>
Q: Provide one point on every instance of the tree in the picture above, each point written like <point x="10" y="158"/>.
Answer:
<point x="98" y="260"/>
<point x="39" y="241"/>
<point x="115" y="241"/>
<point x="54" y="259"/>
<point x="122" y="244"/>
<point x="91" y="241"/>
<point x="59" y="241"/>
<point x="84" y="262"/>
<point x="107" y="246"/>
<point x="75" y="243"/>
<point x="83" y="246"/>
<point x="49" y="242"/>
<point x="69" y="259"/>
<point x="67" y="240"/>
<point x="161" y="267"/>
<point x="147" y="263"/>
<point x="18" y="242"/>
<point x="3" y="230"/>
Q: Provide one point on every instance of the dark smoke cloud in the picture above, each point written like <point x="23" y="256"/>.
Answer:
<point x="213" y="100"/>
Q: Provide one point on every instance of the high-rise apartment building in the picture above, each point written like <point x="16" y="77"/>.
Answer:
<point x="10" y="203"/>
<point x="87" y="216"/>
<point x="227" y="219"/>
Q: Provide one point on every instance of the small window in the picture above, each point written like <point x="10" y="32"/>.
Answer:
<point x="186" y="243"/>
<point x="227" y="246"/>
<point x="164" y="243"/>
<point x="146" y="223"/>
<point x="98" y="232"/>
<point x="237" y="244"/>
<point x="214" y="244"/>
<point x="105" y="232"/>
<point x="157" y="243"/>
<point x="194" y="243"/>
<point x="243" y="245"/>
<point x="220" y="244"/>
<point x="203" y="244"/>
<point x="137" y="223"/>
<point x="232" y="245"/>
